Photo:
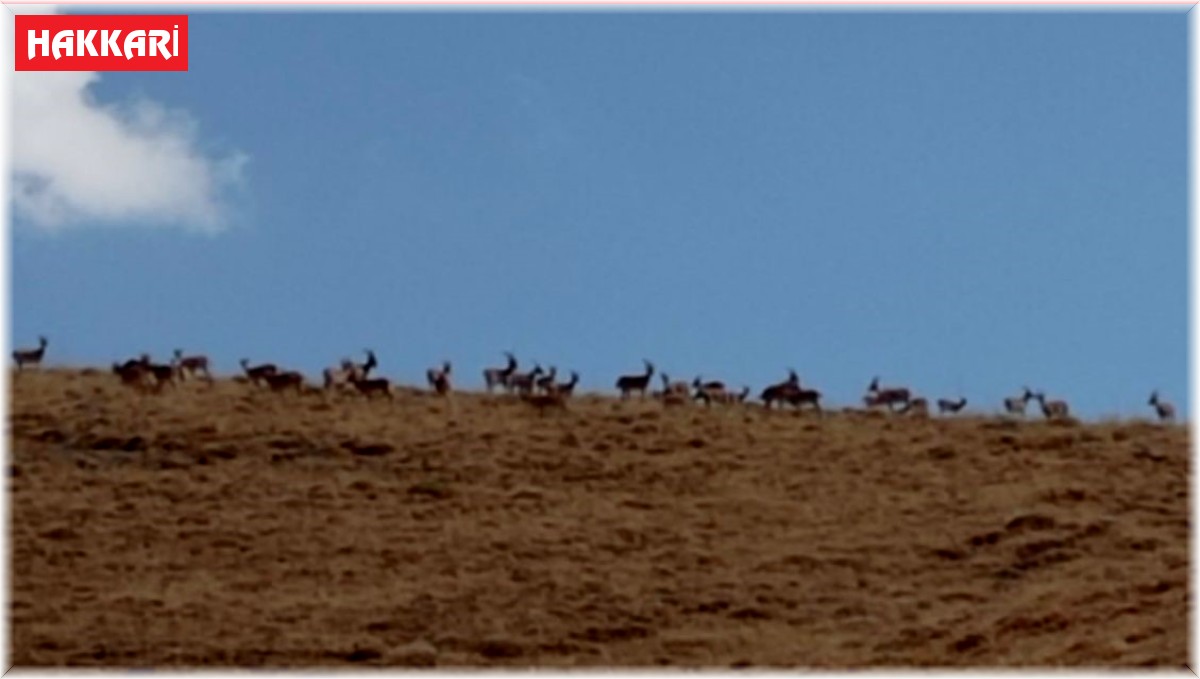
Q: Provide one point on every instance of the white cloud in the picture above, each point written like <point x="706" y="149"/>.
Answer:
<point x="80" y="162"/>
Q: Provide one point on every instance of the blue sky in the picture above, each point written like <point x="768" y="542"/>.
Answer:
<point x="962" y="202"/>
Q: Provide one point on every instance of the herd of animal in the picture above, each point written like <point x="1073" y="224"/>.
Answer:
<point x="543" y="389"/>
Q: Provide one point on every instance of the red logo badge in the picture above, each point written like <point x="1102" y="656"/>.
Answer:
<point x="101" y="42"/>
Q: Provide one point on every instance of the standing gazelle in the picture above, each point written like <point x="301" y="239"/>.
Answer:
<point x="1166" y="411"/>
<point x="348" y="372"/>
<point x="439" y="380"/>
<point x="565" y="389"/>
<point x="30" y="356"/>
<point x="493" y="377"/>
<point x="191" y="365"/>
<point x="781" y="392"/>
<point x="1052" y="409"/>
<point x="340" y="376"/>
<point x="1015" y="405"/>
<point x="546" y="382"/>
<point x="798" y="396"/>
<point x="363" y="370"/>
<point x="258" y="373"/>
<point x="376" y="385"/>
<point x="628" y="384"/>
<point x="163" y="373"/>
<point x="524" y="383"/>
<point x="889" y="396"/>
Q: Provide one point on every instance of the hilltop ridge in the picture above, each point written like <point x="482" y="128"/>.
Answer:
<point x="233" y="526"/>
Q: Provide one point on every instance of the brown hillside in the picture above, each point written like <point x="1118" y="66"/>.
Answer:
<point x="229" y="526"/>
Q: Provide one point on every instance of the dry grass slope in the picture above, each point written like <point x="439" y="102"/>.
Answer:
<point x="229" y="526"/>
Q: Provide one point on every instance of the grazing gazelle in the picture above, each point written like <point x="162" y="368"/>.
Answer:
<point x="889" y="396"/>
<point x="711" y="385"/>
<point x="500" y="376"/>
<point x="554" y="400"/>
<point x="917" y="406"/>
<point x="1052" y="409"/>
<point x="191" y="365"/>
<point x="281" y="381"/>
<point x="709" y="393"/>
<point x="1166" y="411"/>
<point x="945" y="405"/>
<point x="129" y="365"/>
<point x="627" y="384"/>
<point x="678" y="387"/>
<point x="25" y="357"/>
<point x="439" y="380"/>
<point x="1015" y="405"/>
<point x="133" y="374"/>
<point x="672" y="399"/>
<point x="872" y="401"/>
